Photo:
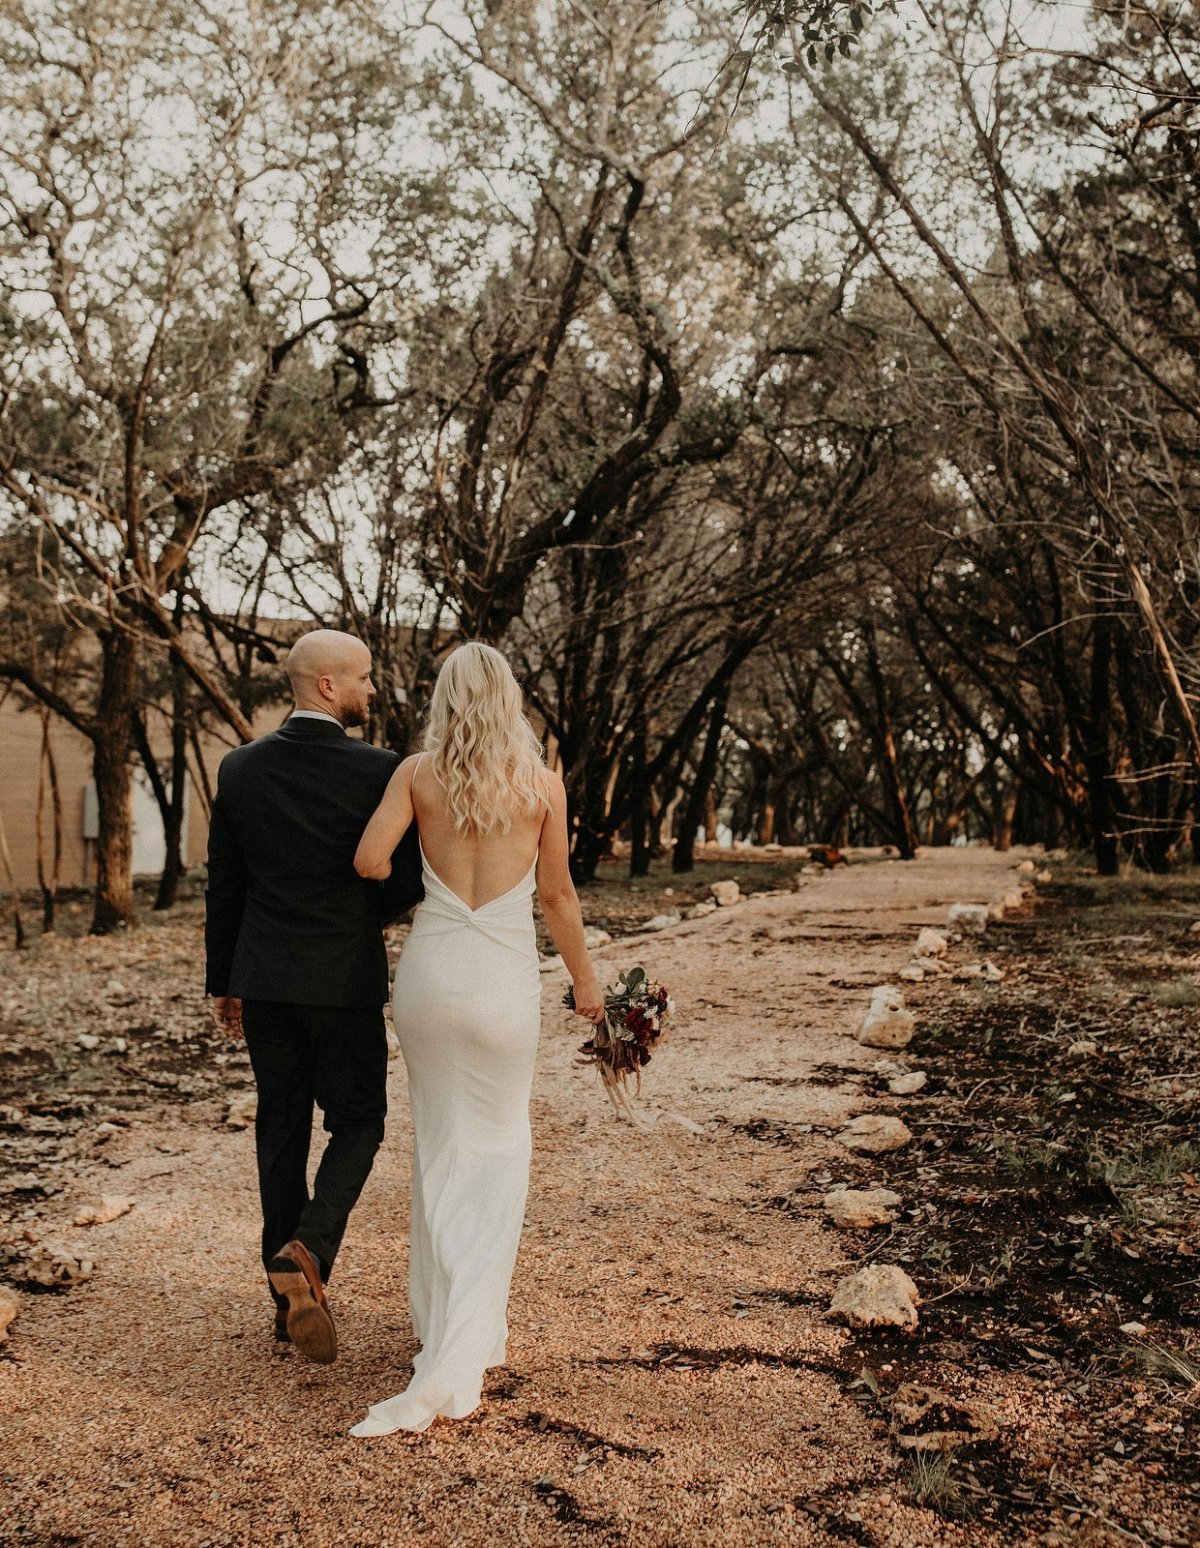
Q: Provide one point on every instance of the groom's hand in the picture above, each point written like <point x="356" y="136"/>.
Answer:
<point x="227" y="1014"/>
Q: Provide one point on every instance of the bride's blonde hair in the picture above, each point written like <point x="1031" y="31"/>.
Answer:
<point x="482" y="747"/>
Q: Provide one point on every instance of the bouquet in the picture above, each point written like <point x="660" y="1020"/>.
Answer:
<point x="635" y="1016"/>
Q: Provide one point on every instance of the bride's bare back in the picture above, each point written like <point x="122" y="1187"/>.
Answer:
<point x="478" y="867"/>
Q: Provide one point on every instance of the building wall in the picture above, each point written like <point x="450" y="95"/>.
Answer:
<point x="20" y="753"/>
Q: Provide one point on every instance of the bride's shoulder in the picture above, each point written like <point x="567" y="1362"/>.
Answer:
<point x="402" y="775"/>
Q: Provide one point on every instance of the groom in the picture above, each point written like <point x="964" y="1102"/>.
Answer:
<point x="297" y="963"/>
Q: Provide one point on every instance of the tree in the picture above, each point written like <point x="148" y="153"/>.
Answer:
<point x="183" y="334"/>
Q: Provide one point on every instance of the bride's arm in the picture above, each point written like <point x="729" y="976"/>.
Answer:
<point x="387" y="826"/>
<point x="560" y="904"/>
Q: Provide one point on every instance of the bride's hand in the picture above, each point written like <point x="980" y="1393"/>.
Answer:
<point x="589" y="1000"/>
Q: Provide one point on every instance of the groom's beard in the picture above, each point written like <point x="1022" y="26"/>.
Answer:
<point x="353" y="715"/>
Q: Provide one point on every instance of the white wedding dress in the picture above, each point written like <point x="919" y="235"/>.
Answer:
<point x="466" y="1006"/>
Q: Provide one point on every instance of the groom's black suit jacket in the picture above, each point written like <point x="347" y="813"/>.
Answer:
<point x="288" y="918"/>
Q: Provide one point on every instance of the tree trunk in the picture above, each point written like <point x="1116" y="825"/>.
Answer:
<point x="639" y="802"/>
<point x="710" y="816"/>
<point x="173" y="866"/>
<point x="1096" y="758"/>
<point x="48" y="879"/>
<point x="683" y="858"/>
<point x="889" y="765"/>
<point x="114" y="785"/>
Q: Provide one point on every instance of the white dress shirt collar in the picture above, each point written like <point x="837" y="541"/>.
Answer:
<point x="316" y="715"/>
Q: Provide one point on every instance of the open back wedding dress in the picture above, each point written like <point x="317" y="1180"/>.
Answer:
<point x="466" y="1007"/>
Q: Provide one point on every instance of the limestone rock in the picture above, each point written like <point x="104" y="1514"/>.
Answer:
<point x="726" y="893"/>
<point x="1083" y="1048"/>
<point x="1045" y="876"/>
<point x="1027" y="866"/>
<point x="1132" y="1329"/>
<point x="914" y="973"/>
<point x="10" y="1309"/>
<point x="931" y="943"/>
<point x="875" y="1133"/>
<point x="592" y="938"/>
<point x="881" y="1295"/>
<point x="243" y="1108"/>
<point x="55" y="1266"/>
<point x="393" y="1043"/>
<point x="996" y="907"/>
<point x="970" y="918"/>
<point x="87" y="1041"/>
<point x="925" y="1419"/>
<point x="908" y="1084"/>
<point x="887" y="1024"/>
<point x="662" y="921"/>
<point x="701" y="910"/>
<point x="986" y="970"/>
<point x="858" y="1209"/>
<point x="111" y="1207"/>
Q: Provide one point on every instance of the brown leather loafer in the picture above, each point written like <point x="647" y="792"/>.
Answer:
<point x="295" y="1275"/>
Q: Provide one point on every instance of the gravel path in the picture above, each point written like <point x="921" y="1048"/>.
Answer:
<point x="672" y="1377"/>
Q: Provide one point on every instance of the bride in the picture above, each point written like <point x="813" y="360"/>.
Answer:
<point x="491" y="820"/>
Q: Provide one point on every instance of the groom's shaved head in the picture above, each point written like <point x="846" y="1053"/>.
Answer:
<point x="331" y="671"/>
<point x="323" y="653"/>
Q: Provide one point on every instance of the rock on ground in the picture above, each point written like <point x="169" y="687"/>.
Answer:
<point x="881" y="1295"/>
<point x="662" y="921"/>
<point x="970" y="918"/>
<point x="111" y="1207"/>
<point x="931" y="943"/>
<point x="875" y="1133"/>
<point x="887" y="1024"/>
<point x="925" y="1419"/>
<point x="907" y="1084"/>
<point x="986" y="970"/>
<point x="726" y="893"/>
<point x="55" y="1266"/>
<point x="859" y="1209"/>
<point x="243" y="1108"/>
<point x="10" y="1309"/>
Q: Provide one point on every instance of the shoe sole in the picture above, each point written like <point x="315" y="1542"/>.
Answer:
<point x="309" y="1325"/>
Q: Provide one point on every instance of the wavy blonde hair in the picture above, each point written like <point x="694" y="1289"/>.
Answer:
<point x="480" y="743"/>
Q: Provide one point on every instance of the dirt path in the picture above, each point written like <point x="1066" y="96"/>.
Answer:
<point x="672" y="1377"/>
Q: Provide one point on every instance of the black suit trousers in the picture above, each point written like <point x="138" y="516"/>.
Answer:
<point x="334" y="1058"/>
